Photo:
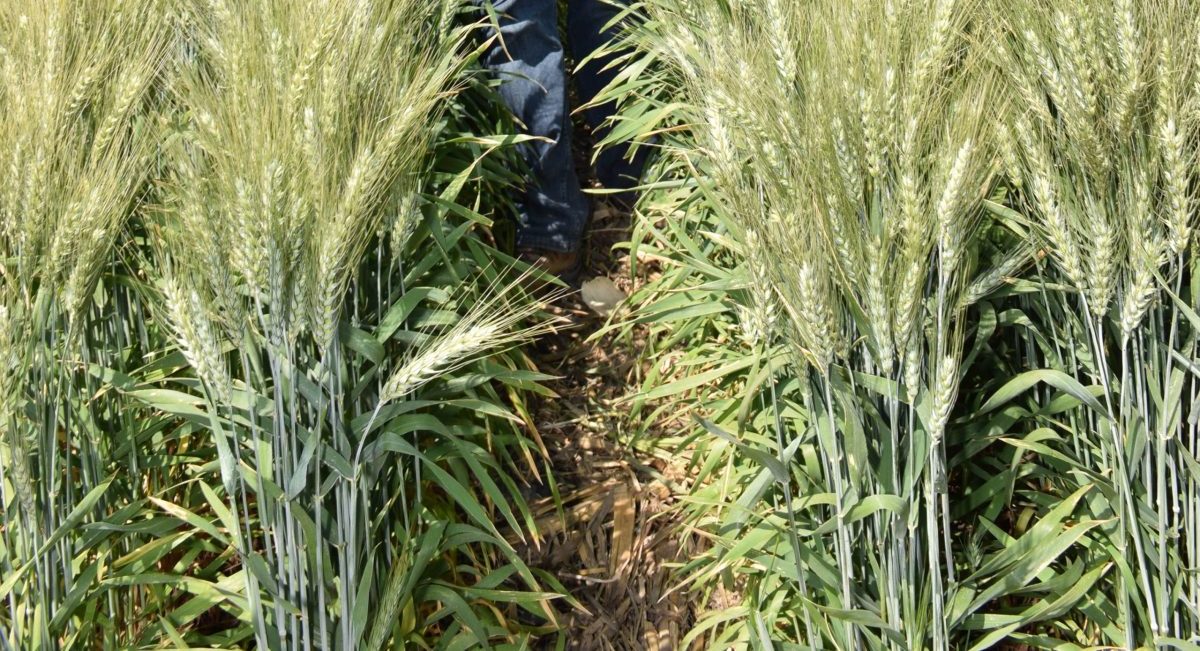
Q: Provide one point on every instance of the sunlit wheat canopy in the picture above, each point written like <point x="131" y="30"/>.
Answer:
<point x="894" y="345"/>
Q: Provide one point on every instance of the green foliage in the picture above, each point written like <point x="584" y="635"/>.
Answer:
<point x="79" y="134"/>
<point x="259" y="380"/>
<point x="912" y="435"/>
<point x="921" y="314"/>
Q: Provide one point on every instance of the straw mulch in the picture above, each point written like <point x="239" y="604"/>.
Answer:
<point x="614" y="541"/>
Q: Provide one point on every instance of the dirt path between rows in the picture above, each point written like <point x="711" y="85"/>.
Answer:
<point x="613" y="541"/>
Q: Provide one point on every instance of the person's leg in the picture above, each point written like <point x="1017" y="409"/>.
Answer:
<point x="586" y="22"/>
<point x="554" y="210"/>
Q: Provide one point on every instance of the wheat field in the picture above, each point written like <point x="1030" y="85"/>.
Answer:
<point x="913" y="315"/>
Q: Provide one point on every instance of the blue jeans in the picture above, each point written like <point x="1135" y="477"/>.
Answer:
<point x="530" y="60"/>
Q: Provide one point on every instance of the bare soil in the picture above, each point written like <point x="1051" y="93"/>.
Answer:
<point x="612" y="542"/>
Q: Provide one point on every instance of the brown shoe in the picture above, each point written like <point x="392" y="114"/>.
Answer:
<point x="562" y="265"/>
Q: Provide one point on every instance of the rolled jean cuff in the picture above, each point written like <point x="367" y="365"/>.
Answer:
<point x="557" y="242"/>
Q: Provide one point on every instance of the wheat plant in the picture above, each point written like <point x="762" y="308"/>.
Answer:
<point x="918" y="309"/>
<point x="79" y="132"/>
<point x="257" y="377"/>
<point x="856" y="200"/>
<point x="840" y="182"/>
<point x="1104" y="135"/>
<point x="294" y="191"/>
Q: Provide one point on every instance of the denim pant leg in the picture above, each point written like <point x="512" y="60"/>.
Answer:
<point x="586" y="21"/>
<point x="554" y="210"/>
